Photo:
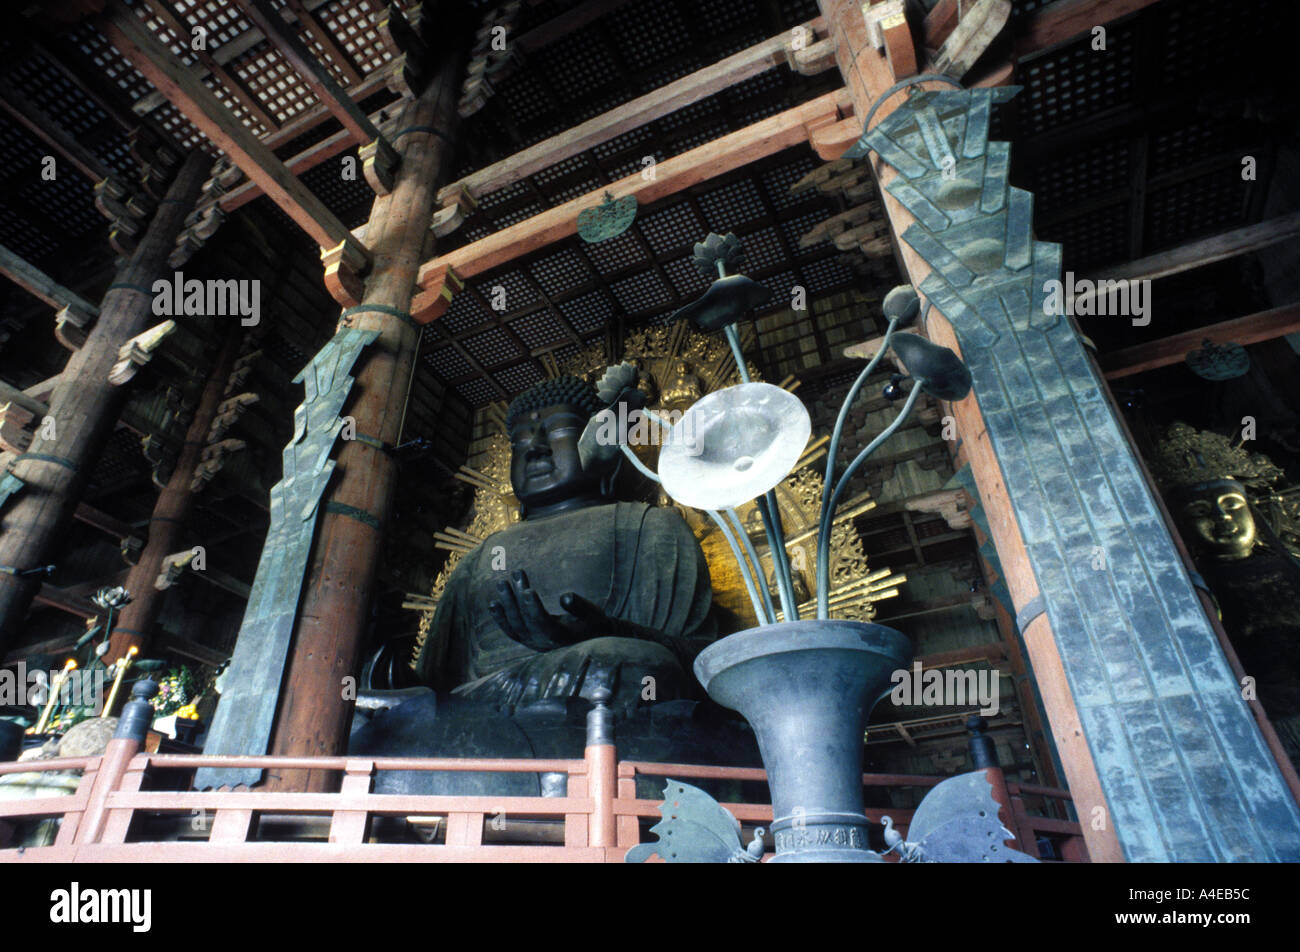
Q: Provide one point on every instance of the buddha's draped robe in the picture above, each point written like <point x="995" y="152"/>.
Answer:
<point x="636" y="562"/>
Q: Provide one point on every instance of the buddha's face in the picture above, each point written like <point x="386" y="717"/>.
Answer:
<point x="544" y="464"/>
<point x="1219" y="516"/>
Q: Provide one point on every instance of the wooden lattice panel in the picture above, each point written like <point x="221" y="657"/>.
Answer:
<point x="645" y="33"/>
<point x="24" y="240"/>
<point x="537" y="328"/>
<point x="1202" y="205"/>
<point x="493" y="346"/>
<point x="563" y="269"/>
<point x="575" y="67"/>
<point x="520" y="377"/>
<point x="273" y="82"/>
<point x="615" y="254"/>
<point x="478" y="392"/>
<point x="1190" y="143"/>
<point x="447" y="363"/>
<point x="351" y="199"/>
<point x="1201" y="37"/>
<point x="1080" y="174"/>
<point x="686" y="278"/>
<point x="109" y="63"/>
<point x="1089" y="240"/>
<point x="348" y="21"/>
<point x="1077" y="82"/>
<point x="222" y="19"/>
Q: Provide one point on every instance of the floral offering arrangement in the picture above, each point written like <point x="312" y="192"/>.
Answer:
<point x="176" y="689"/>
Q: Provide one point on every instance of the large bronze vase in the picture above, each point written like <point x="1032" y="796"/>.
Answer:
<point x="806" y="687"/>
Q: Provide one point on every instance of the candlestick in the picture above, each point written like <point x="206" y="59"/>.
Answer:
<point x="54" y="696"/>
<point x="123" y="663"/>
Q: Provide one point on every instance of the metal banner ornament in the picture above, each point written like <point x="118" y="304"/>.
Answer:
<point x="609" y="219"/>
<point x="242" y="724"/>
<point x="9" y="484"/>
<point x="1212" y="362"/>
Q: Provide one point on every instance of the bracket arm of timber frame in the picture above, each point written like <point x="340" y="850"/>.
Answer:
<point x="75" y="315"/>
<point x="431" y="301"/>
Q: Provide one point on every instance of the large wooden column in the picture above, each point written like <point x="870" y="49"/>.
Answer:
<point x="85" y="406"/>
<point x="170" y="514"/>
<point x="313" y="713"/>
<point x="868" y="76"/>
<point x="1159" y="748"/>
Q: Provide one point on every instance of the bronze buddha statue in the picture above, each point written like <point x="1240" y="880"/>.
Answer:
<point x="583" y="593"/>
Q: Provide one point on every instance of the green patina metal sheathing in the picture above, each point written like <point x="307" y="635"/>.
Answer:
<point x="244" y="717"/>
<point x="9" y="484"/>
<point x="1183" y="767"/>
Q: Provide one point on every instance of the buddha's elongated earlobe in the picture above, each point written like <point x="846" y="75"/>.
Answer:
<point x="607" y="481"/>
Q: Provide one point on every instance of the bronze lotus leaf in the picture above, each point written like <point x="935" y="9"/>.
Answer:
<point x="937" y="369"/>
<point x="725" y="302"/>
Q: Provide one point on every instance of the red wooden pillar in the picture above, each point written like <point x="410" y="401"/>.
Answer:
<point x="313" y="714"/>
<point x="868" y="75"/>
<point x="85" y="407"/>
<point x="170" y="514"/>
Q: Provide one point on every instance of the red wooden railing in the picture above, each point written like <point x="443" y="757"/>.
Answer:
<point x="599" y="816"/>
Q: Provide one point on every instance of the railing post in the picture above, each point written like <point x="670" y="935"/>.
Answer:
<point x="984" y="756"/>
<point x="602" y="770"/>
<point x="137" y="716"/>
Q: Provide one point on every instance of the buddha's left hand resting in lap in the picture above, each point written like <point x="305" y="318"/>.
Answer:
<point x="585" y="592"/>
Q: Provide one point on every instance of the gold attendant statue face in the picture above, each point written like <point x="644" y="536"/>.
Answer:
<point x="1218" y="515"/>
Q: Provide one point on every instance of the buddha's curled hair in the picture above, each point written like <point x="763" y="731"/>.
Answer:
<point x="561" y="391"/>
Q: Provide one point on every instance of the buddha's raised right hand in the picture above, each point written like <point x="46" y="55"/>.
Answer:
<point x="519" y="612"/>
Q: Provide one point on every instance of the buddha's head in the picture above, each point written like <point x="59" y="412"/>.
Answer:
<point x="1217" y="515"/>
<point x="544" y="424"/>
<point x="1208" y="480"/>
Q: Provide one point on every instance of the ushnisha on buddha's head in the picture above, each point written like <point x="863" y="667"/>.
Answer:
<point x="544" y="424"/>
<point x="1209" y="482"/>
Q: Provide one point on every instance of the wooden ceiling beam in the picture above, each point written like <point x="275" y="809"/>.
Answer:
<point x="223" y="55"/>
<point x="308" y="159"/>
<point x="335" y="53"/>
<point x="630" y="115"/>
<point x="37" y="282"/>
<point x="328" y="92"/>
<point x="229" y="81"/>
<point x="376" y="82"/>
<point x="184" y="87"/>
<point x="60" y="598"/>
<point x="764" y="138"/>
<point x="1251" y="329"/>
<point x="1197" y="254"/>
<point x="634" y="319"/>
<point x="103" y="521"/>
<point x="1067" y="20"/>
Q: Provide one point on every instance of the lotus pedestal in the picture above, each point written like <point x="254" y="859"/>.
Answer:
<point x="806" y="687"/>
